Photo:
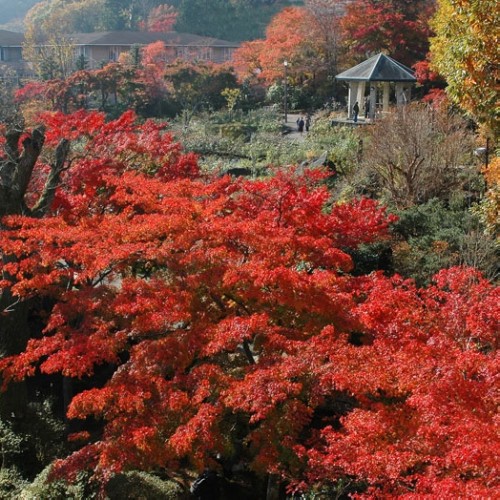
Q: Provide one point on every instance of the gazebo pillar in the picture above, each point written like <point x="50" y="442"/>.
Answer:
<point x="400" y="97"/>
<point x="385" y="99"/>
<point x="353" y="90"/>
<point x="373" y="100"/>
<point x="407" y="93"/>
<point x="361" y="94"/>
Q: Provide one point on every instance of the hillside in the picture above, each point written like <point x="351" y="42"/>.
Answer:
<point x="14" y="10"/>
<point x="231" y="20"/>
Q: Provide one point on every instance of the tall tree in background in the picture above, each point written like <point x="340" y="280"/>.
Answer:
<point x="285" y="40"/>
<point x="398" y="27"/>
<point x="48" y="27"/>
<point x="74" y="16"/>
<point x="160" y="19"/>
<point x="62" y="16"/>
<point x="326" y="15"/>
<point x="465" y="52"/>
<point x="306" y="37"/>
<point x="196" y="86"/>
<point x="51" y="57"/>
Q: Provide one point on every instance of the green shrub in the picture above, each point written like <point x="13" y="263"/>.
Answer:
<point x="42" y="489"/>
<point x="10" y="444"/>
<point x="137" y="485"/>
<point x="11" y="484"/>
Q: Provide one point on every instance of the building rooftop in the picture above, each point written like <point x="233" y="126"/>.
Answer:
<point x="11" y="38"/>
<point x="145" y="38"/>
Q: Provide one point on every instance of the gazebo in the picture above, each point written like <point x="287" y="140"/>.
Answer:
<point x="378" y="72"/>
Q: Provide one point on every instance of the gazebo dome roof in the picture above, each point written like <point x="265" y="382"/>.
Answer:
<point x="379" y="68"/>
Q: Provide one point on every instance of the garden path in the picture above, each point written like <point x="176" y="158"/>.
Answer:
<point x="291" y="123"/>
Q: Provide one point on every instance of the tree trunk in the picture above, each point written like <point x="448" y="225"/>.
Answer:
<point x="14" y="334"/>
<point x="273" y="488"/>
<point x="16" y="170"/>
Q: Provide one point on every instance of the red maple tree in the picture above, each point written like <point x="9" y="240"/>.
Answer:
<point x="233" y="327"/>
<point x="399" y="27"/>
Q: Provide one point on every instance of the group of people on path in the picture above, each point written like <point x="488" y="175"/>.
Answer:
<point x="301" y="123"/>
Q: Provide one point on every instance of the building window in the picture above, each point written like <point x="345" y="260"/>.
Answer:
<point x="182" y="52"/>
<point x="206" y="53"/>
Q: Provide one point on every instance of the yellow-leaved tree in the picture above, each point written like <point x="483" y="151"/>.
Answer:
<point x="465" y="51"/>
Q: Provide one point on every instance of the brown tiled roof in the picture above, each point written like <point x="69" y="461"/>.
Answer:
<point x="11" y="39"/>
<point x="144" y="38"/>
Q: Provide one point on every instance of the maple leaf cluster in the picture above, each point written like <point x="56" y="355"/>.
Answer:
<point x="232" y="326"/>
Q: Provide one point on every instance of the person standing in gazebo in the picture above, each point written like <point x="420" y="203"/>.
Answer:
<point x="355" y="111"/>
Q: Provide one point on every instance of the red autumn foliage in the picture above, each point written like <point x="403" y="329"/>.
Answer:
<point x="399" y="27"/>
<point x="234" y="326"/>
<point x="431" y="81"/>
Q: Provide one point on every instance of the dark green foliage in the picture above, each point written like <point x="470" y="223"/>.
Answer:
<point x="81" y="63"/>
<point x="435" y="235"/>
<point x="10" y="444"/>
<point x="31" y="442"/>
<point x="198" y="87"/>
<point x="135" y="52"/>
<point x="27" y="445"/>
<point x="369" y="258"/>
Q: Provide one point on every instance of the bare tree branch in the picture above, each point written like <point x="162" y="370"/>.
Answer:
<point x="32" y="149"/>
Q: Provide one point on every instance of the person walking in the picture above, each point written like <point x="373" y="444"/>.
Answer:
<point x="355" y="111"/>
<point x="301" y="125"/>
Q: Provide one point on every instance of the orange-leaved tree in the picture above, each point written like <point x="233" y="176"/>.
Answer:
<point x="306" y="37"/>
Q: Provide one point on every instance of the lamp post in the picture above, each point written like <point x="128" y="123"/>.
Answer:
<point x="285" y="64"/>
<point x="484" y="152"/>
